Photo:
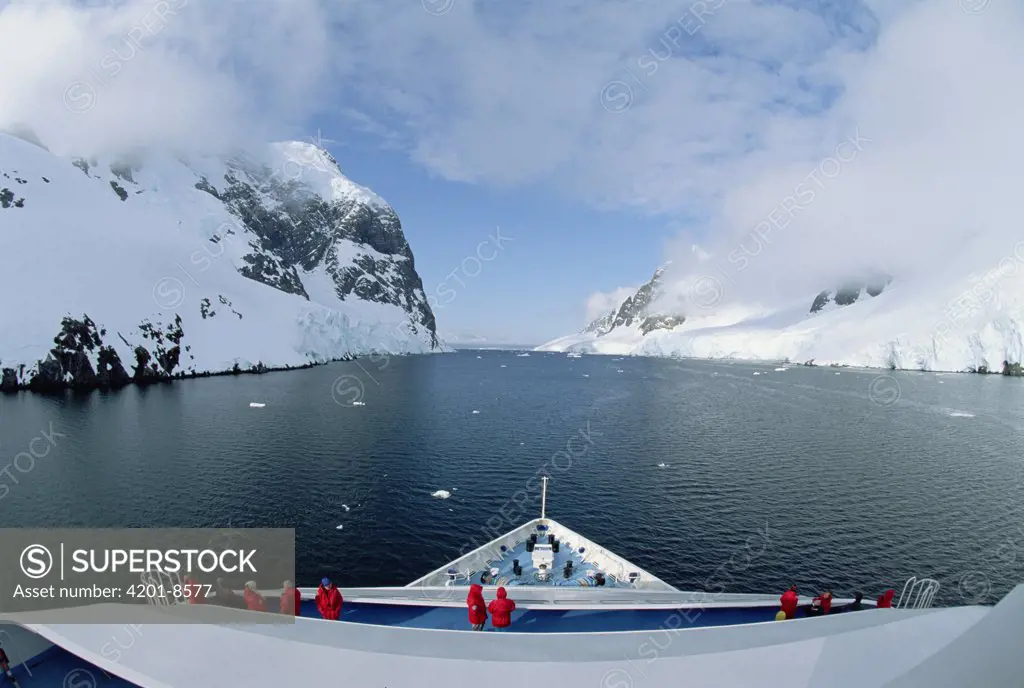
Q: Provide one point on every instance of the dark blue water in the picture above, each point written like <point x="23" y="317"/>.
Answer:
<point x="850" y="481"/>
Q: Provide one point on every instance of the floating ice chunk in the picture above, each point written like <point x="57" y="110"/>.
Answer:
<point x="339" y="527"/>
<point x="756" y="373"/>
<point x="585" y="375"/>
<point x="619" y="370"/>
<point x="359" y="403"/>
<point x="256" y="404"/>
<point x="780" y="370"/>
<point x="475" y="411"/>
<point x="345" y="507"/>
<point x="441" y="494"/>
<point x="838" y="373"/>
<point x="479" y="356"/>
<point x="523" y="355"/>
<point x="960" y="414"/>
<point x="504" y="366"/>
<point x="662" y="465"/>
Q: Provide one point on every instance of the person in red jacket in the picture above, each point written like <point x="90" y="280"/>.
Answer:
<point x="825" y="600"/>
<point x="253" y="599"/>
<point x="477" y="607"/>
<point x="789" y="601"/>
<point x="291" y="599"/>
<point x="885" y="599"/>
<point x="329" y="600"/>
<point x="192" y="590"/>
<point x="501" y="610"/>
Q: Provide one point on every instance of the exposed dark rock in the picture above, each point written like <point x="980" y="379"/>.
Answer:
<point x="1012" y="369"/>
<point x="850" y="291"/>
<point x="8" y="380"/>
<point x="7" y="199"/>
<point x="635" y="309"/>
<point x="820" y="301"/>
<point x="119" y="190"/>
<point x="123" y="171"/>
<point x="661" y="322"/>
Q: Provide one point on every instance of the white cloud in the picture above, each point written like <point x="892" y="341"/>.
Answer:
<point x="732" y="105"/>
<point x="180" y="73"/>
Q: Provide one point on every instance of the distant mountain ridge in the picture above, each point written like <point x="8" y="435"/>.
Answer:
<point x="970" y="321"/>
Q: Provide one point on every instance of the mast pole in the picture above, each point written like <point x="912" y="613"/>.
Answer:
<point x="543" y="496"/>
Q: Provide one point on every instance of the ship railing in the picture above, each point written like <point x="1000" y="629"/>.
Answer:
<point x="160" y="588"/>
<point x="917" y="593"/>
<point x="16" y="659"/>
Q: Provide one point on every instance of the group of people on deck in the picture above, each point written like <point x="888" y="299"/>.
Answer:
<point x="329" y="601"/>
<point x="328" y="598"/>
<point x="822" y="604"/>
<point x="500" y="608"/>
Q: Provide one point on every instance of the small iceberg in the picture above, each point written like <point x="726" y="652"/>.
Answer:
<point x="339" y="527"/>
<point x="256" y="404"/>
<point x="345" y="507"/>
<point x="441" y="494"/>
<point x="960" y="414"/>
<point x="475" y="412"/>
<point x="504" y="366"/>
<point x="780" y="370"/>
<point x="619" y="370"/>
<point x="479" y="356"/>
<point x="523" y="355"/>
<point x="359" y="403"/>
<point x="662" y="465"/>
<point x="585" y="375"/>
<point x="838" y="373"/>
<point x="756" y="373"/>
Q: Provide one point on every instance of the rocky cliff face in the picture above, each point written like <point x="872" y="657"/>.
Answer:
<point x="850" y="291"/>
<point x="635" y="310"/>
<point x="158" y="267"/>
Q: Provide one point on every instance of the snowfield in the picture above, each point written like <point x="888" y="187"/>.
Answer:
<point x="931" y="323"/>
<point x="148" y="246"/>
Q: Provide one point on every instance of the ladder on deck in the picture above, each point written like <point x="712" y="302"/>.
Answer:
<point x="917" y="593"/>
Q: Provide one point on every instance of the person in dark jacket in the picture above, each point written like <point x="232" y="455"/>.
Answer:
<point x="291" y="599"/>
<point x="226" y="597"/>
<point x="885" y="599"/>
<point x="815" y="609"/>
<point x="856" y="605"/>
<point x="501" y="610"/>
<point x="789" y="601"/>
<point x="477" y="607"/>
<point x="329" y="600"/>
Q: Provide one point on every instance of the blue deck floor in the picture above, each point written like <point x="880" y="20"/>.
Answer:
<point x="58" y="668"/>
<point x="549" y="621"/>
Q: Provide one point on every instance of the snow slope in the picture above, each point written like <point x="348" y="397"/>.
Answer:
<point x="272" y="259"/>
<point x="940" y="323"/>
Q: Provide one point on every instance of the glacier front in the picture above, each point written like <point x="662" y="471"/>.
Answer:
<point x="155" y="266"/>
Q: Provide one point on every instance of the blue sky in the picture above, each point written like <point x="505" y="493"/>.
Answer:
<point x="535" y="289"/>
<point x="605" y="137"/>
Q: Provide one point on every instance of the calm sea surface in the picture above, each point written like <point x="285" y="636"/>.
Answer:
<point x="709" y="475"/>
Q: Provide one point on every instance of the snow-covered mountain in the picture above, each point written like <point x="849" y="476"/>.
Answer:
<point x="967" y="321"/>
<point x="155" y="266"/>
